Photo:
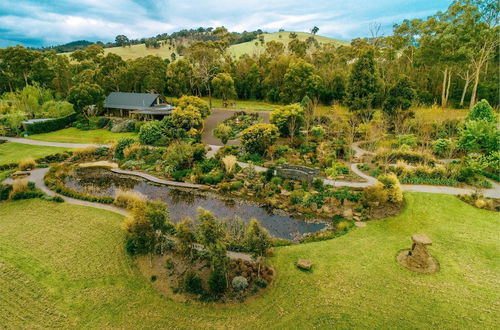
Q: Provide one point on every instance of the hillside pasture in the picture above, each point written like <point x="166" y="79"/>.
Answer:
<point x="166" y="50"/>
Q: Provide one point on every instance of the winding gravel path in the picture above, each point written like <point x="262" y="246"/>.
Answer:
<point x="37" y="177"/>
<point x="358" y="153"/>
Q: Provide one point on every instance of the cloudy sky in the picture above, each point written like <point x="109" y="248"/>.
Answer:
<point x="51" y="22"/>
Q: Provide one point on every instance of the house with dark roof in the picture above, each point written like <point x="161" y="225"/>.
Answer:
<point x="137" y="105"/>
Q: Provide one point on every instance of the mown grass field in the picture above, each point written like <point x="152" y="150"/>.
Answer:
<point x="64" y="266"/>
<point x="75" y="135"/>
<point x="15" y="152"/>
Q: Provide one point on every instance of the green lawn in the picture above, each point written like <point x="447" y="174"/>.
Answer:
<point x="15" y="152"/>
<point x="64" y="266"/>
<point x="74" y="135"/>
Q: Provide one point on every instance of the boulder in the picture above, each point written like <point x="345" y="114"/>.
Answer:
<point x="347" y="213"/>
<point x="304" y="264"/>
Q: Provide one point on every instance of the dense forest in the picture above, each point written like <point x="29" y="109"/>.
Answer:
<point x="450" y="59"/>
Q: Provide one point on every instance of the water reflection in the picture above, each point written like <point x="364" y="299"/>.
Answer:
<point x="184" y="203"/>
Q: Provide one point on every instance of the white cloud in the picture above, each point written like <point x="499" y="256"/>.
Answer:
<point x="54" y="22"/>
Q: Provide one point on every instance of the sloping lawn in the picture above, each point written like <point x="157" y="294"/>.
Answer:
<point x="15" y="152"/>
<point x="64" y="266"/>
<point x="74" y="135"/>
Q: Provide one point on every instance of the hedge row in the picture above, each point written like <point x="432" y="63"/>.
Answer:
<point x="49" y="125"/>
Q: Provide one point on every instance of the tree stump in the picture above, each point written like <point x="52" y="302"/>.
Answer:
<point x="418" y="259"/>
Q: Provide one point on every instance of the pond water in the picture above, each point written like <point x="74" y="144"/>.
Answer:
<point x="182" y="203"/>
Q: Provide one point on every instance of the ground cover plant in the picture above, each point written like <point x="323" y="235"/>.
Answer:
<point x="88" y="280"/>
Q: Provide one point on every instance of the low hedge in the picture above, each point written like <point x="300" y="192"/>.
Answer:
<point x="428" y="181"/>
<point x="49" y="125"/>
<point x="492" y="176"/>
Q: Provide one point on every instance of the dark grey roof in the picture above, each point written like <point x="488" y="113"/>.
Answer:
<point x="153" y="112"/>
<point x="133" y="101"/>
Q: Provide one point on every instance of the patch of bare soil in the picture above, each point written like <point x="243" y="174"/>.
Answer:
<point x="428" y="266"/>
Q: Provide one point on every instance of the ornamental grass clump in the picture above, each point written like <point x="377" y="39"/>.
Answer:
<point x="129" y="199"/>
<point x="19" y="186"/>
<point x="84" y="153"/>
<point x="229" y="162"/>
<point x="27" y="164"/>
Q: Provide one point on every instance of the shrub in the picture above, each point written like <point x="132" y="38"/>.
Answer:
<point x="186" y="118"/>
<point x="296" y="197"/>
<point x="121" y="145"/>
<point x="289" y="119"/>
<point x="317" y="131"/>
<point x="237" y="185"/>
<point x="406" y="139"/>
<point x="192" y="284"/>
<point x="239" y="283"/>
<point x="102" y="122"/>
<point x="5" y="190"/>
<point x="129" y="199"/>
<point x="181" y="174"/>
<point x="22" y="189"/>
<point x="208" y="164"/>
<point x="179" y="155"/>
<point x="150" y="132"/>
<point x="222" y="132"/>
<point x="217" y="282"/>
<point x="387" y="189"/>
<point x="442" y="147"/>
<point x="257" y="138"/>
<point x="479" y="136"/>
<point x="211" y="178"/>
<point x="261" y="283"/>
<point x="27" y="164"/>
<point x="392" y="186"/>
<point x="482" y="111"/>
<point x="199" y="104"/>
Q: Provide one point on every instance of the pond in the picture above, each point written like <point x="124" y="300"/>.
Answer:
<point x="182" y="202"/>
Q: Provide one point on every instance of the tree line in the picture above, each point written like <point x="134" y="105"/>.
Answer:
<point x="449" y="59"/>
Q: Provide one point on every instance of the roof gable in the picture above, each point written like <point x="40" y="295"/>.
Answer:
<point x="120" y="100"/>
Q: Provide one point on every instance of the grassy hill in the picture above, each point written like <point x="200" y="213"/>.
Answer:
<point x="64" y="266"/>
<point x="249" y="47"/>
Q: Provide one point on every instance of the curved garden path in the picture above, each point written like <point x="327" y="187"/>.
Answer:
<point x="37" y="177"/>
<point x="359" y="152"/>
